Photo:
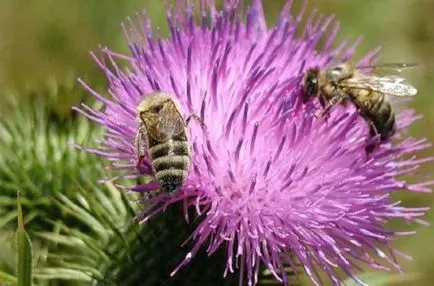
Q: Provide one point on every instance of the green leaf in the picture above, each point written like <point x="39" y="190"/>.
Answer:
<point x="24" y="265"/>
<point x="5" y="277"/>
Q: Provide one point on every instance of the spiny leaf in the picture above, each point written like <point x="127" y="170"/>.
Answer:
<point x="87" y="231"/>
<point x="36" y="156"/>
<point x="62" y="273"/>
<point x="24" y="266"/>
<point x="61" y="239"/>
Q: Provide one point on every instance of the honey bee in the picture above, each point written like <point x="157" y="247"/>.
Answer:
<point x="162" y="129"/>
<point x="369" y="93"/>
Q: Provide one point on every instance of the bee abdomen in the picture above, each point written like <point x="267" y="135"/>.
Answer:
<point x="170" y="162"/>
<point x="167" y="148"/>
<point x="387" y="128"/>
<point x="171" y="179"/>
<point x="380" y="103"/>
<point x="384" y="121"/>
<point x="171" y="174"/>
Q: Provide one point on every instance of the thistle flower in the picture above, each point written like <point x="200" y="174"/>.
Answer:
<point x="271" y="183"/>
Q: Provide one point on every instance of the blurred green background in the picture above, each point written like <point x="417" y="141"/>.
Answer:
<point x="44" y="46"/>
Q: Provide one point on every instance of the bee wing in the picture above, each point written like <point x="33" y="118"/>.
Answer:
<point x="399" y="67"/>
<point x="391" y="85"/>
<point x="170" y="122"/>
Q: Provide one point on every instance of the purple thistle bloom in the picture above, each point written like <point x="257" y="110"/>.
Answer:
<point x="271" y="183"/>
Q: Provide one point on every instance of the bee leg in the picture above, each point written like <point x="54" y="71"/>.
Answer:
<point x="323" y="103"/>
<point x="197" y="118"/>
<point x="336" y="99"/>
<point x="373" y="132"/>
<point x="140" y="142"/>
<point x="326" y="110"/>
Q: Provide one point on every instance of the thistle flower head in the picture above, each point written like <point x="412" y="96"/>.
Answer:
<point x="270" y="182"/>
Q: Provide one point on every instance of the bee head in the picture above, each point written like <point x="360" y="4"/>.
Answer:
<point x="152" y="104"/>
<point x="310" y="84"/>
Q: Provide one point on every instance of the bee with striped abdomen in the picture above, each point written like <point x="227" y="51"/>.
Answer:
<point x="162" y="129"/>
<point x="368" y="93"/>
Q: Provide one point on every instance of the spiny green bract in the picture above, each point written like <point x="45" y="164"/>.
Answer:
<point x="82" y="231"/>
<point x="37" y="159"/>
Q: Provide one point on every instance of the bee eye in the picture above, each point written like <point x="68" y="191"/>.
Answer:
<point x="313" y="81"/>
<point x="336" y="72"/>
<point x="156" y="108"/>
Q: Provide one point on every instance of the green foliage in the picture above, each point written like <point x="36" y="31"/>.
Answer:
<point x="383" y="278"/>
<point x="37" y="158"/>
<point x="7" y="278"/>
<point x="83" y="231"/>
<point x="116" y="250"/>
<point x="24" y="251"/>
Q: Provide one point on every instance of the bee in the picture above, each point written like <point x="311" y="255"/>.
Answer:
<point x="162" y="129"/>
<point x="369" y="93"/>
